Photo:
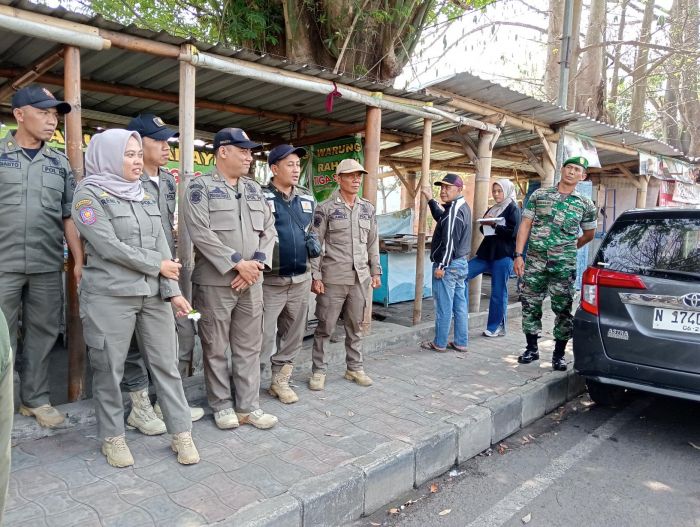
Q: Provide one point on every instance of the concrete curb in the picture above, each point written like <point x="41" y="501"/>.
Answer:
<point x="393" y="468"/>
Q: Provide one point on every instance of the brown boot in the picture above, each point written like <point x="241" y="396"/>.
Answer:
<point x="117" y="451"/>
<point x="46" y="415"/>
<point x="359" y="377"/>
<point x="280" y="385"/>
<point x="142" y="415"/>
<point x="317" y="381"/>
<point x="183" y="445"/>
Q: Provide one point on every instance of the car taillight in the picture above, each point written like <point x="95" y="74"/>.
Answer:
<point x="594" y="277"/>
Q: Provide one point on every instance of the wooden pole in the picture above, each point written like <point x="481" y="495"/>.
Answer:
<point x="373" y="133"/>
<point x="187" y="117"/>
<point x="422" y="217"/>
<point x="373" y="139"/>
<point x="74" y="151"/>
<point x="642" y="192"/>
<point x="548" y="166"/>
<point x="481" y="201"/>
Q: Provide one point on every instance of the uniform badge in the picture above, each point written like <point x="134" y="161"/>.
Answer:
<point x="87" y="216"/>
<point x="158" y="121"/>
<point x="195" y="197"/>
<point x="318" y="218"/>
<point x="83" y="203"/>
<point x="306" y="206"/>
<point x="48" y="93"/>
<point x="271" y="203"/>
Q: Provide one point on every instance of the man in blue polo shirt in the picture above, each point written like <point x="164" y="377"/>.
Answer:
<point x="287" y="284"/>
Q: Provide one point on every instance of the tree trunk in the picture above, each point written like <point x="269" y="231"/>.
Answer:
<point x="639" y="74"/>
<point x="590" y="73"/>
<point x="617" y="55"/>
<point x="689" y="107"/>
<point x="554" y="34"/>
<point x="574" y="58"/>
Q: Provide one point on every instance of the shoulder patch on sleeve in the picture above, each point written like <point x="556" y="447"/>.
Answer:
<point x="82" y="203"/>
<point x="195" y="196"/>
<point x="318" y="218"/>
<point x="87" y="215"/>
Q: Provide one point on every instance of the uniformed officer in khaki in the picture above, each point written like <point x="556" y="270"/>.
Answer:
<point x="159" y="183"/>
<point x="233" y="231"/>
<point x="36" y="190"/>
<point x="287" y="285"/>
<point x="129" y="283"/>
<point x="347" y="225"/>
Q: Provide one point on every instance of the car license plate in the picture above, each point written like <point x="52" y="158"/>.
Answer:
<point x="676" y="320"/>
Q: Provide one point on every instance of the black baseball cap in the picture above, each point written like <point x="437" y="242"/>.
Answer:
<point x="38" y="97"/>
<point x="149" y="125"/>
<point x="281" y="151"/>
<point x="450" y="179"/>
<point x="233" y="137"/>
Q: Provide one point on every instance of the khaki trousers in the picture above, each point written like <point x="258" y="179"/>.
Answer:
<point x="351" y="300"/>
<point x="231" y="319"/>
<point x="284" y="321"/>
<point x="40" y="296"/>
<point x="135" y="372"/>
<point x="108" y="325"/>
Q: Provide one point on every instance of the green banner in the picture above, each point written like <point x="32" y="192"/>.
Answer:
<point x="324" y="158"/>
<point x="203" y="160"/>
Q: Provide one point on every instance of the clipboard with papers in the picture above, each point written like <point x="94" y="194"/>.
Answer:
<point x="488" y="230"/>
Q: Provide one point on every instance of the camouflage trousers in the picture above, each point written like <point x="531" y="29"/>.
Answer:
<point x="544" y="277"/>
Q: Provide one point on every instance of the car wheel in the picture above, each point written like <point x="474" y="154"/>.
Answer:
<point x="605" y="394"/>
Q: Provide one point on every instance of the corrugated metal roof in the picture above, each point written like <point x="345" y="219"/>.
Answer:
<point x="477" y="89"/>
<point x="161" y="75"/>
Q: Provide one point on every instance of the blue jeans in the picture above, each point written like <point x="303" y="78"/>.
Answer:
<point x="500" y="273"/>
<point x="450" y="297"/>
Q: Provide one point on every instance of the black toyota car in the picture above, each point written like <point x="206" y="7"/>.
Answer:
<point x="638" y="324"/>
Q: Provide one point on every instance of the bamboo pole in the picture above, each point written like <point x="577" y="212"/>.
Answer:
<point x="186" y="119"/>
<point x="642" y="192"/>
<point x="373" y="132"/>
<point x="74" y="151"/>
<point x="481" y="201"/>
<point x="174" y="98"/>
<point x="422" y="217"/>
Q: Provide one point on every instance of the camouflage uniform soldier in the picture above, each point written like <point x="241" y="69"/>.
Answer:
<point x="551" y="221"/>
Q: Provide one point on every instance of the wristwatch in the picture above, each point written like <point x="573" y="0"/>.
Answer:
<point x="516" y="255"/>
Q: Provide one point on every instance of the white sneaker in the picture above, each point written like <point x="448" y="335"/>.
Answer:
<point x="500" y="332"/>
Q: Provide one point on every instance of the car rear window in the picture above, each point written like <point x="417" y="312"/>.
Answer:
<point x="653" y="247"/>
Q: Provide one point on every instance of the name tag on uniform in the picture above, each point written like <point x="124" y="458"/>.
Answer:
<point x="306" y="206"/>
<point x="218" y="193"/>
<point x="271" y="203"/>
<point x="10" y="163"/>
<point x="51" y="170"/>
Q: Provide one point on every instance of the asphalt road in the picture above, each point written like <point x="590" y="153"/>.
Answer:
<point x="582" y="465"/>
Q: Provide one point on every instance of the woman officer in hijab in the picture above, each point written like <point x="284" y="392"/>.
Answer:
<point x="126" y="284"/>
<point x="495" y="254"/>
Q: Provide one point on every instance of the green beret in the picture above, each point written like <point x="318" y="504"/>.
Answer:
<point x="577" y="160"/>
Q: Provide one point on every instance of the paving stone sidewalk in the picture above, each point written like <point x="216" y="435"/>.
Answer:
<point x="335" y="455"/>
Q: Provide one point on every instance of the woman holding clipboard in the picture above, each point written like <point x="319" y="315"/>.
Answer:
<point x="495" y="254"/>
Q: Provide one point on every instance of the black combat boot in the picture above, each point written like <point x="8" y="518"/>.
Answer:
<point x="558" y="361"/>
<point x="531" y="352"/>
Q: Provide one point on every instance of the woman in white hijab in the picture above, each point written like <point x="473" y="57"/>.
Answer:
<point x="127" y="283"/>
<point x="495" y="254"/>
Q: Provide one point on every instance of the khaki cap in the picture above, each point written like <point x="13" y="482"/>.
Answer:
<point x="349" y="165"/>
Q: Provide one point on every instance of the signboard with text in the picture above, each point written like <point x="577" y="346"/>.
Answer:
<point x="323" y="160"/>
